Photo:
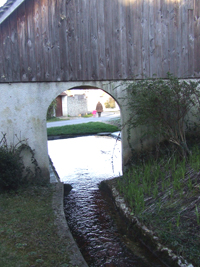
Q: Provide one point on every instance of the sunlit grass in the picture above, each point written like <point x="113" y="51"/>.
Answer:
<point x="84" y="128"/>
<point x="87" y="116"/>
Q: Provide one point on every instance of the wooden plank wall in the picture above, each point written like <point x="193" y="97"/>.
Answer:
<point x="78" y="40"/>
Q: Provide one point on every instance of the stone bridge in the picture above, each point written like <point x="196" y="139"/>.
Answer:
<point x="47" y="47"/>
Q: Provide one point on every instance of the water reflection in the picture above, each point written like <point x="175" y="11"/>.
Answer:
<point x="90" y="158"/>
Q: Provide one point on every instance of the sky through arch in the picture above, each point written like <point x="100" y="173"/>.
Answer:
<point x="2" y="2"/>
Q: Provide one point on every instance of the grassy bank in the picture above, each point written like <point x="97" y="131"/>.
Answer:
<point x="28" y="236"/>
<point x="164" y="195"/>
<point x="84" y="128"/>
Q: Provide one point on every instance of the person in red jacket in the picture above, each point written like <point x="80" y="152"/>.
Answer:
<point x="99" y="108"/>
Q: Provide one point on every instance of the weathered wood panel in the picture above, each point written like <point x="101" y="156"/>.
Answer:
<point x="138" y="37"/>
<point x="7" y="53"/>
<point x="92" y="29"/>
<point x="45" y="40"/>
<point x="116" y="40"/>
<point x="2" y="75"/>
<point x="53" y="41"/>
<point x="101" y="47"/>
<point x="63" y="48"/>
<point x="38" y="41"/>
<point x="14" y="48"/>
<point x="70" y="40"/>
<point x="130" y="45"/>
<point x="123" y="39"/>
<point x="109" y="43"/>
<point x="197" y="38"/>
<point x="191" y="40"/>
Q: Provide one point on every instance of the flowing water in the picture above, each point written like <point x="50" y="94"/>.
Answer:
<point x="83" y="163"/>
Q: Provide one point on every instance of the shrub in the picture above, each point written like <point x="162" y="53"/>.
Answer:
<point x="18" y="165"/>
<point x="163" y="106"/>
<point x="11" y="166"/>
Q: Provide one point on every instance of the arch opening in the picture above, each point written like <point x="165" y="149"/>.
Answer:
<point x="82" y="100"/>
<point x="75" y="98"/>
<point x="25" y="106"/>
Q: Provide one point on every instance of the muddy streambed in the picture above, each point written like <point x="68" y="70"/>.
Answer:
<point x="100" y="233"/>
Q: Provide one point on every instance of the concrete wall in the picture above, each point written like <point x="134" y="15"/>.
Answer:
<point x="23" y="113"/>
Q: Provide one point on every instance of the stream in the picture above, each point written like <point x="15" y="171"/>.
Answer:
<point x="100" y="233"/>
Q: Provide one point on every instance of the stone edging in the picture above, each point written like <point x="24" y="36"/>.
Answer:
<point x="147" y="236"/>
<point x="72" y="250"/>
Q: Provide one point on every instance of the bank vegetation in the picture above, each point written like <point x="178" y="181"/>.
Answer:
<point x="162" y="185"/>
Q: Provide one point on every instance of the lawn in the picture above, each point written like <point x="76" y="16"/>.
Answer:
<point x="82" y="129"/>
<point x="28" y="235"/>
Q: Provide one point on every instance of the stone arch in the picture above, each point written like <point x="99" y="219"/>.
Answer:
<point x="107" y="87"/>
<point x="24" y="108"/>
<point x="88" y="87"/>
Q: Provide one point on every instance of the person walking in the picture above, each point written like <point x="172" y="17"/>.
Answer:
<point x="99" y="108"/>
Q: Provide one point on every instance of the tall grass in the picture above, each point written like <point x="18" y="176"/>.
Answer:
<point x="164" y="195"/>
<point x="153" y="178"/>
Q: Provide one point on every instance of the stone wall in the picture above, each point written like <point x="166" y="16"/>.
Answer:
<point x="76" y="105"/>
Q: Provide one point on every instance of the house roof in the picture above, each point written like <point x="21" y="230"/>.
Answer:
<point x="63" y="94"/>
<point x="8" y="8"/>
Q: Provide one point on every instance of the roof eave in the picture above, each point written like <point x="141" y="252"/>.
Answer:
<point x="10" y="10"/>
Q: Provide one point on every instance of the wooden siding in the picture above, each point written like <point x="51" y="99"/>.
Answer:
<point x="78" y="40"/>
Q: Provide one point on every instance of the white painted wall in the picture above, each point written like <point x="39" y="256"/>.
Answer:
<point x="64" y="106"/>
<point x="23" y="113"/>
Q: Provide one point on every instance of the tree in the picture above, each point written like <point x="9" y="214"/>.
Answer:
<point x="163" y="106"/>
<point x="110" y="103"/>
<point x="51" y="109"/>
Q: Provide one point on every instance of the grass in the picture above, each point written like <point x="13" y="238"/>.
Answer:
<point x="84" y="128"/>
<point x="87" y="115"/>
<point x="56" y="119"/>
<point x="28" y="236"/>
<point x="115" y="122"/>
<point x="164" y="195"/>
